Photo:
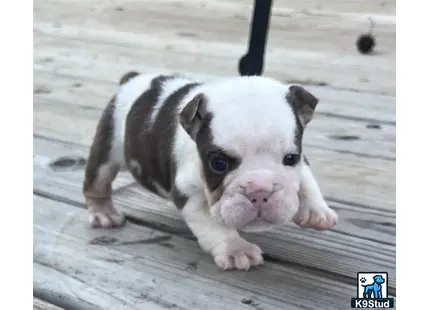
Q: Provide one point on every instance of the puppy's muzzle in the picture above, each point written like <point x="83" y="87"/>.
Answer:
<point x="256" y="200"/>
<point x="260" y="196"/>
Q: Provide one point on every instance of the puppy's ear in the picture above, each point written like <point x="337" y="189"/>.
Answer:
<point x="193" y="114"/>
<point x="303" y="103"/>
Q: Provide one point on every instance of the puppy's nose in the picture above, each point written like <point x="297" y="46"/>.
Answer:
<point x="259" y="198"/>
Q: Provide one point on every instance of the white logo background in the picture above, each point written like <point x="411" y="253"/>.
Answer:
<point x="369" y="280"/>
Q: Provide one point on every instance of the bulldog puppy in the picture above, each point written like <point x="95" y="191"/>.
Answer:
<point x="227" y="152"/>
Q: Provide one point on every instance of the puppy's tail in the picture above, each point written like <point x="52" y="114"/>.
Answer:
<point x="127" y="77"/>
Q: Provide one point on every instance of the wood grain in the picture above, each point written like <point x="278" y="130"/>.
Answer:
<point x="364" y="239"/>
<point x="123" y="269"/>
<point x="70" y="99"/>
<point x="39" y="304"/>
<point x="83" y="47"/>
<point x="303" y="44"/>
<point x="343" y="176"/>
<point x="85" y="89"/>
<point x="76" y="159"/>
<point x="343" y="7"/>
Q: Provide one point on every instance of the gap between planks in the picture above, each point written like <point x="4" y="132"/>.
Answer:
<point x="362" y="107"/>
<point x="357" y="243"/>
<point x="124" y="269"/>
<point x="343" y="175"/>
<point x="323" y="133"/>
<point x="63" y="98"/>
<point x="308" y="64"/>
<point x="39" y="304"/>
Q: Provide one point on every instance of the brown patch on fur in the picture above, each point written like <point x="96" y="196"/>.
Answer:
<point x="303" y="105"/>
<point x="138" y="144"/>
<point x="305" y="159"/>
<point x="196" y="121"/>
<point x="302" y="102"/>
<point x="191" y="117"/>
<point x="206" y="149"/>
<point x="100" y="148"/>
<point x="178" y="198"/>
<point x="298" y="136"/>
<point x="128" y="76"/>
<point x="151" y="144"/>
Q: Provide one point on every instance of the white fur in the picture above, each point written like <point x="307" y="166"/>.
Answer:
<point x="267" y="109"/>
<point x="188" y="177"/>
<point x="228" y="249"/>
<point x="252" y="120"/>
<point x="313" y="210"/>
<point x="265" y="99"/>
<point x="126" y="95"/>
<point x="169" y="87"/>
<point x="269" y="115"/>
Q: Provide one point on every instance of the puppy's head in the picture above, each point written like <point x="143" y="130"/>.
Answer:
<point x="248" y="132"/>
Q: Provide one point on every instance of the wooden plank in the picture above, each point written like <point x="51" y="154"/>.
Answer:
<point x="39" y="304"/>
<point x="216" y="17"/>
<point x="370" y="7"/>
<point x="342" y="175"/>
<point x="80" y="52"/>
<point x="69" y="290"/>
<point x="301" y="46"/>
<point x="48" y="82"/>
<point x="363" y="240"/>
<point x="63" y="97"/>
<point x="137" y="267"/>
<point x="343" y="250"/>
<point x="72" y="170"/>
<point x="362" y="222"/>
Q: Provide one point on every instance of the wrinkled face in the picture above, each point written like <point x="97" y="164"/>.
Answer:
<point x="256" y="192"/>
<point x="248" y="133"/>
<point x="249" y="141"/>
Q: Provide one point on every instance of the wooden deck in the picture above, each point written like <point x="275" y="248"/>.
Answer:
<point x="81" y="48"/>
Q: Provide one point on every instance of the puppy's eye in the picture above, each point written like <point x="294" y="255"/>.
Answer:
<point x="218" y="164"/>
<point x="291" y="159"/>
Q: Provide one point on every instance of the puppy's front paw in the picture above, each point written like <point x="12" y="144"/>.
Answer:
<point x="321" y="218"/>
<point x="237" y="253"/>
<point x="105" y="216"/>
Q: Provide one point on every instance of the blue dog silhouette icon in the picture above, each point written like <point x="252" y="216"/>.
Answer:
<point x="375" y="288"/>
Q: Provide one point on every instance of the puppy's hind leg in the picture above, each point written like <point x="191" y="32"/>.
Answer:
<point x="101" y="170"/>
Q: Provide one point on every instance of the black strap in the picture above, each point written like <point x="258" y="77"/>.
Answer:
<point x="252" y="62"/>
